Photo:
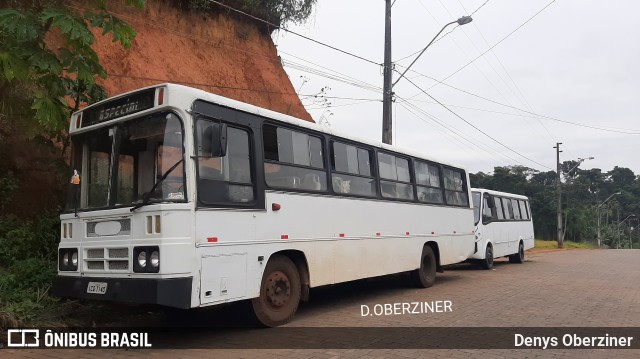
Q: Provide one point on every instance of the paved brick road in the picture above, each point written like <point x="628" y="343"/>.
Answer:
<point x="573" y="288"/>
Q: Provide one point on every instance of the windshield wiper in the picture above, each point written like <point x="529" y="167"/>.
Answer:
<point x="146" y="197"/>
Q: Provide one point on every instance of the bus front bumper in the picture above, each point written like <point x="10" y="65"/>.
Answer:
<point x="171" y="292"/>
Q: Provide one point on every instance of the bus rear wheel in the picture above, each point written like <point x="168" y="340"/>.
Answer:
<point x="280" y="292"/>
<point x="425" y="276"/>
<point x="487" y="262"/>
<point x="518" y="257"/>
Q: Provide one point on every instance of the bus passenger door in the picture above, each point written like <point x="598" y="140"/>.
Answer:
<point x="485" y="227"/>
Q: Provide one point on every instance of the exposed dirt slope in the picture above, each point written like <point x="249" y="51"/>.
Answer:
<point x="216" y="53"/>
<point x="219" y="54"/>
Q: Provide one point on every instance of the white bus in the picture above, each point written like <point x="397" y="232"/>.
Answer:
<point x="504" y="226"/>
<point x="187" y="199"/>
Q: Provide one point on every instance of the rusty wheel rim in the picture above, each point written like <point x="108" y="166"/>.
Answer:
<point x="278" y="289"/>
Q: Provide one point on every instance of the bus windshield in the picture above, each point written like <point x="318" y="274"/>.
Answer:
<point x="119" y="165"/>
<point x="476" y="206"/>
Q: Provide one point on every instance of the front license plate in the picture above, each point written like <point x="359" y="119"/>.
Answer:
<point x="97" y="287"/>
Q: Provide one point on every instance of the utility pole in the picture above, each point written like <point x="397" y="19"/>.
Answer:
<point x="387" y="94"/>
<point x="558" y="184"/>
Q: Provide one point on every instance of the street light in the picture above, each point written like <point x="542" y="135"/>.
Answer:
<point x="561" y="231"/>
<point x="598" y="211"/>
<point x="631" y="228"/>
<point x="621" y="222"/>
<point x="387" y="91"/>
<point x="598" y="208"/>
<point x="580" y="160"/>
<point x="461" y="21"/>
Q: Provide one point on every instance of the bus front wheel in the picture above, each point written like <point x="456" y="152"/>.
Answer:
<point x="518" y="257"/>
<point x="280" y="292"/>
<point x="487" y="262"/>
<point x="425" y="276"/>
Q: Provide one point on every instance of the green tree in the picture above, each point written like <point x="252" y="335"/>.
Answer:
<point x="277" y="12"/>
<point x="47" y="66"/>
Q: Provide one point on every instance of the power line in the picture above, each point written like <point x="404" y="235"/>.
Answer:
<point x="475" y="64"/>
<point x="440" y="38"/>
<point x="451" y="137"/>
<point x="375" y="87"/>
<point x="499" y="42"/>
<point x="600" y="128"/>
<point x="345" y="79"/>
<point x="295" y="33"/>
<point x="481" y="6"/>
<point x="234" y="88"/>
<point x="478" y="129"/>
<point x="455" y="132"/>
<point x="524" y="100"/>
<point x="343" y="105"/>
<point x="519" y="96"/>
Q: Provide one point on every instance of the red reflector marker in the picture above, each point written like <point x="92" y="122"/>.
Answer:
<point x="161" y="96"/>
<point x="341" y="234"/>
<point x="212" y="239"/>
<point x="284" y="236"/>
<point x="275" y="206"/>
<point x="407" y="233"/>
<point x="433" y="232"/>
<point x="378" y="234"/>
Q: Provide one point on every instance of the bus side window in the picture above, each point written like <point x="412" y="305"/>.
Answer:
<point x="428" y="181"/>
<point x="351" y="170"/>
<point x="523" y="210"/>
<point x="394" y="177"/>
<point x="506" y="205"/>
<point x="516" y="209"/>
<point x="499" y="212"/>
<point x="293" y="159"/>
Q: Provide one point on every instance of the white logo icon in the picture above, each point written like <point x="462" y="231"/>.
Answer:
<point x="22" y="338"/>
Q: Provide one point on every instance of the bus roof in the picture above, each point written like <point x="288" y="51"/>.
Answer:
<point x="498" y="193"/>
<point x="197" y="94"/>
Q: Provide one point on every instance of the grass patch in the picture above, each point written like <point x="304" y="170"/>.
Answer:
<point x="540" y="244"/>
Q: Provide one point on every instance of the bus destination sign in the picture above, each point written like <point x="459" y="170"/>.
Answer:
<point x="127" y="105"/>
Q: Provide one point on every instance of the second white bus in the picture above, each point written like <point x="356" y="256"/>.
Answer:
<point x="503" y="226"/>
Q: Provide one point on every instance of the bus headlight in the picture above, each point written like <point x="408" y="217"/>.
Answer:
<point x="142" y="259"/>
<point x="147" y="259"/>
<point x="68" y="259"/>
<point x="155" y="259"/>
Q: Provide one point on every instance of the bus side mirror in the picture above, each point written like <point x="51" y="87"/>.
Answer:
<point x="214" y="140"/>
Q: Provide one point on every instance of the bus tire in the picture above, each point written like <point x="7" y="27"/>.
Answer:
<point x="487" y="262"/>
<point x="425" y="276"/>
<point x="280" y="292"/>
<point x="518" y="257"/>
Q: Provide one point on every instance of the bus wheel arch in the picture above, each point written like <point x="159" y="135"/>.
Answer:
<point x="518" y="257"/>
<point x="487" y="262"/>
<point x="425" y="275"/>
<point x="280" y="291"/>
<point x="300" y="260"/>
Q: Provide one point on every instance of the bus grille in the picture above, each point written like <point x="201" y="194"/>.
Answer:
<point x="95" y="265"/>
<point x="95" y="253"/>
<point x="118" y="252"/>
<point x="107" y="259"/>
<point x="118" y="265"/>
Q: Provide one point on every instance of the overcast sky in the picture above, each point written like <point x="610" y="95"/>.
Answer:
<point x="576" y="61"/>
